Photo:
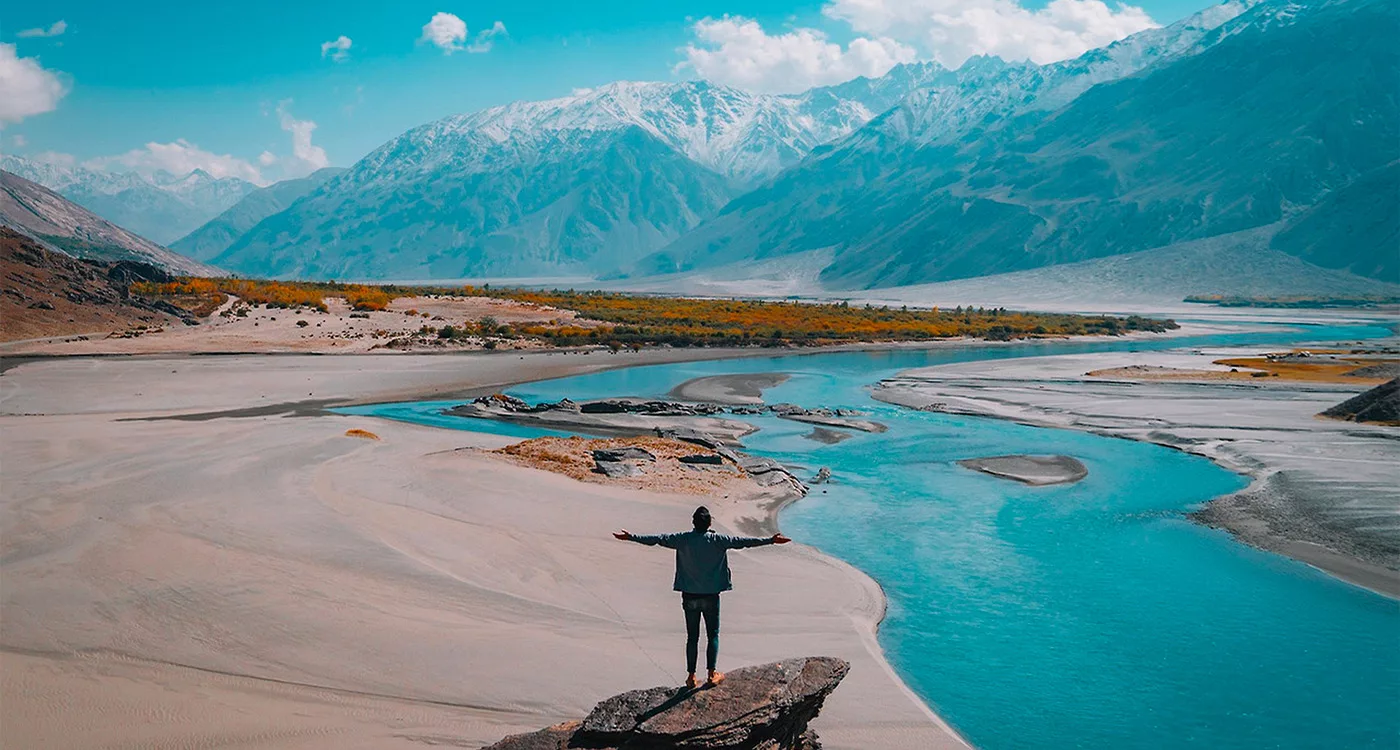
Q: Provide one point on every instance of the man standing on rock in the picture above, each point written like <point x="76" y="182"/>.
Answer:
<point x="702" y="572"/>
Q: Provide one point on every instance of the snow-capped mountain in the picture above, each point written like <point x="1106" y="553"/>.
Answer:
<point x="582" y="184"/>
<point x="162" y="207"/>
<point x="63" y="226"/>
<point x="1238" y="117"/>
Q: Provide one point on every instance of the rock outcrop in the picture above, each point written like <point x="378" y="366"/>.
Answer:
<point x="766" y="707"/>
<point x="1380" y="405"/>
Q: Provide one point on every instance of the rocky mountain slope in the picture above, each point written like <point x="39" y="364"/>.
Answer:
<point x="64" y="226"/>
<point x="997" y="168"/>
<point x="51" y="294"/>
<point x="162" y="207"/>
<point x="223" y="230"/>
<point x="583" y="184"/>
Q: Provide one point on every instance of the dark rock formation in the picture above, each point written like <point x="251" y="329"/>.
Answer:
<point x="1380" y="405"/>
<point x="651" y="408"/>
<point x="628" y="453"/>
<point x="848" y="418"/>
<point x="616" y="469"/>
<point x="711" y="459"/>
<point x="766" y="707"/>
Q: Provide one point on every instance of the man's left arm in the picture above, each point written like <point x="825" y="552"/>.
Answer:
<point x="743" y="542"/>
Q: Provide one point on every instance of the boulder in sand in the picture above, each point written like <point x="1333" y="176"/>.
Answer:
<point x="766" y="707"/>
<point x="616" y="469"/>
<point x="629" y="453"/>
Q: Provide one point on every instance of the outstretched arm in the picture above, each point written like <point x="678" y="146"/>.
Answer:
<point x="665" y="540"/>
<point x="741" y="542"/>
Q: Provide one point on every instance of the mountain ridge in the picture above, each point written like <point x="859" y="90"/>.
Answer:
<point x="63" y="226"/>
<point x="162" y="207"/>
<point x="1142" y="161"/>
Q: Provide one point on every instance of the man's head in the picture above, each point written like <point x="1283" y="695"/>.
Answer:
<point x="701" y="518"/>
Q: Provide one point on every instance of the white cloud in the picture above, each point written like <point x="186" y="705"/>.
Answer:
<point x="953" y="30"/>
<point x="337" y="50"/>
<point x="486" y="39"/>
<point x="449" y="33"/>
<point x="56" y="29"/>
<point x="305" y="157"/>
<point x="179" y="158"/>
<point x="737" y="51"/>
<point x="267" y="158"/>
<point x="19" y="141"/>
<point x="446" y="31"/>
<point x="26" y="88"/>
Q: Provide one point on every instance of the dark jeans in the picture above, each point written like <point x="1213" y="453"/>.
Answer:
<point x="697" y="606"/>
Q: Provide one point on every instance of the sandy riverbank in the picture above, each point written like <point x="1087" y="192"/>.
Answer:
<point x="253" y="577"/>
<point x="739" y="389"/>
<point x="1323" y="491"/>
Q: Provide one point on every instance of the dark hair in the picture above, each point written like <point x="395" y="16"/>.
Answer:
<point x="701" y="518"/>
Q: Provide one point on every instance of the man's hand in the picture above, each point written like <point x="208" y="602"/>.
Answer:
<point x="780" y="539"/>
<point x="624" y="535"/>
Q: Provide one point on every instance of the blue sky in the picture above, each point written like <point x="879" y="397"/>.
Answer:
<point x="227" y="83"/>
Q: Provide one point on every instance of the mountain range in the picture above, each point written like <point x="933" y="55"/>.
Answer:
<point x="1244" y="116"/>
<point x="1272" y="120"/>
<point x="60" y="225"/>
<point x="161" y="207"/>
<point x="223" y="230"/>
<point x="586" y="183"/>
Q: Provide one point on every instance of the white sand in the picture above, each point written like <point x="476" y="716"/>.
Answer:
<point x="267" y="582"/>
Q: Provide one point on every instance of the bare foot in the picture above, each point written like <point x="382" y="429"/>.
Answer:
<point x="690" y="681"/>
<point x="715" y="678"/>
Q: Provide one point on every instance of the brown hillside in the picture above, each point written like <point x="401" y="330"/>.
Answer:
<point x="44" y="293"/>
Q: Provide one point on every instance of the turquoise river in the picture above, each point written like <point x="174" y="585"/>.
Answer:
<point x="1090" y="615"/>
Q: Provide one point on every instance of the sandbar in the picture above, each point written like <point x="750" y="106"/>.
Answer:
<point x="739" y="389"/>
<point x="1033" y="470"/>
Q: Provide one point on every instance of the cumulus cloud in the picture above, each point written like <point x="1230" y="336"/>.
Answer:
<point x="26" y="88"/>
<point x="338" y="50"/>
<point x="953" y="30"/>
<point x="446" y="31"/>
<point x="306" y="158"/>
<point x="178" y="158"/>
<point x="56" y="29"/>
<point x="449" y="34"/>
<point x="737" y="51"/>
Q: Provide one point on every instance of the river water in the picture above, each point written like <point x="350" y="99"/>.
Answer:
<point x="1090" y="615"/>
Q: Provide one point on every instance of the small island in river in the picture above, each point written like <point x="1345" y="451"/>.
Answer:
<point x="1033" y="470"/>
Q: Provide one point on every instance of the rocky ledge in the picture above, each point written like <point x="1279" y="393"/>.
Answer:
<point x="766" y="707"/>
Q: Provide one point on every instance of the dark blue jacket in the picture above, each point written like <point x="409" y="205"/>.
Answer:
<point x="702" y="559"/>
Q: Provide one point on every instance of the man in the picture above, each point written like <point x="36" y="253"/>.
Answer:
<point x="702" y="572"/>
